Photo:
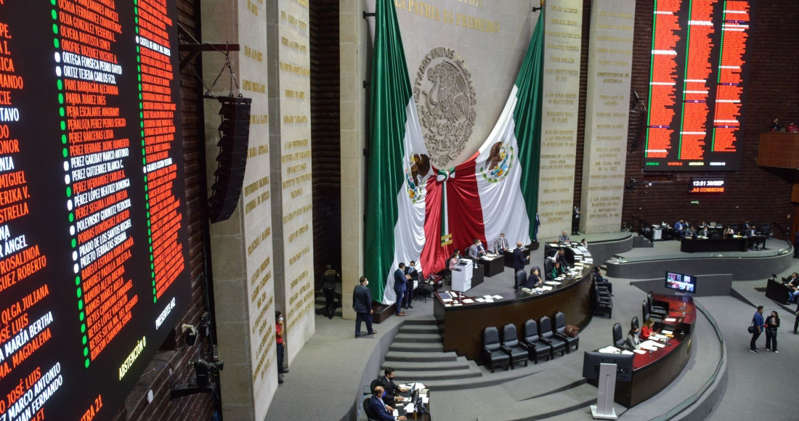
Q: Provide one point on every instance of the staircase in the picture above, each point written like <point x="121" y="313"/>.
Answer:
<point x="319" y="302"/>
<point x="417" y="354"/>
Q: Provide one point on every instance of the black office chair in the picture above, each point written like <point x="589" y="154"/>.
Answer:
<point x="602" y="303"/>
<point x="634" y="323"/>
<point x="492" y="352"/>
<point x="653" y="309"/>
<point x="510" y="344"/>
<point x="618" y="336"/>
<point x="535" y="348"/>
<point x="572" y="343"/>
<point x="548" y="337"/>
<point x="521" y="276"/>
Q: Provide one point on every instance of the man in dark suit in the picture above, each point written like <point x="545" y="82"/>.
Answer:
<point x="412" y="275"/>
<point x="400" y="287"/>
<point x="519" y="261"/>
<point x="362" y="304"/>
<point x="392" y="389"/>
<point x="376" y="409"/>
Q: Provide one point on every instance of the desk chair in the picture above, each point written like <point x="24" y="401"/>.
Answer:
<point x="548" y="337"/>
<point x="521" y="276"/>
<point x="618" y="336"/>
<point x="653" y="309"/>
<point x="535" y="348"/>
<point x="634" y="323"/>
<point x="602" y="305"/>
<point x="492" y="352"/>
<point x="510" y="344"/>
<point x="572" y="343"/>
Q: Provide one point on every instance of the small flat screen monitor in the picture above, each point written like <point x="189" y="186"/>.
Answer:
<point x="680" y="282"/>
<point x="592" y="361"/>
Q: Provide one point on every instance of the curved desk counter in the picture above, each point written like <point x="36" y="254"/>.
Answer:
<point x="463" y="322"/>
<point x="654" y="371"/>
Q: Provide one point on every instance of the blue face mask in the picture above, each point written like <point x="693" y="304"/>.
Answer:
<point x="383" y="395"/>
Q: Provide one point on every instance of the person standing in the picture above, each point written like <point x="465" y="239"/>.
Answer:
<point x="772" y="323"/>
<point x="362" y="304"/>
<point x="757" y="327"/>
<point x="400" y="287"/>
<point x="519" y="261"/>
<point x="412" y="275"/>
<point x="279" y="328"/>
<point x="329" y="280"/>
<point x="796" y="321"/>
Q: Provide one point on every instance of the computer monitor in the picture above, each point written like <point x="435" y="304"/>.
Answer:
<point x="624" y="365"/>
<point x="681" y="282"/>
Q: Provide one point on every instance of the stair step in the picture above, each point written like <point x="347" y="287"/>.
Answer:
<point x="426" y="328"/>
<point x="417" y="338"/>
<point x="420" y="322"/>
<point x="420" y="357"/>
<point x="417" y="347"/>
<point x="424" y="376"/>
<point x="459" y="364"/>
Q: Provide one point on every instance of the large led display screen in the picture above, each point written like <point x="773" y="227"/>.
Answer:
<point x="92" y="232"/>
<point x="696" y="85"/>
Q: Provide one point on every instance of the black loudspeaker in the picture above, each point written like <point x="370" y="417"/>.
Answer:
<point x="234" y="131"/>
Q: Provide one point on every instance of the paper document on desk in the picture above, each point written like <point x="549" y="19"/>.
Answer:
<point x="669" y="319"/>
<point x="480" y="300"/>
<point x="609" y="350"/>
<point x="546" y="288"/>
<point x="409" y="408"/>
<point x="553" y="283"/>
<point x="395" y="413"/>
<point x="497" y="297"/>
<point x="667" y="332"/>
<point x="467" y="301"/>
<point x="626" y="352"/>
<point x="639" y="352"/>
<point x="425" y="400"/>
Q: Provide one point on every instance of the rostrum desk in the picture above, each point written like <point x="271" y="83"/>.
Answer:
<point x="653" y="371"/>
<point x="463" y="324"/>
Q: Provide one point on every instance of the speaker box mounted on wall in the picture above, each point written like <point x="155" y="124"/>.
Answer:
<point x="231" y="161"/>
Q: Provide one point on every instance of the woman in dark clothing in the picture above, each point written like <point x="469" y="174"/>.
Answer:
<point x="534" y="280"/>
<point x="772" y="323"/>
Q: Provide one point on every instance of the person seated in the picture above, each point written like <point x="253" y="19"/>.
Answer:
<point x="792" y="283"/>
<point x="560" y="257"/>
<point x="646" y="329"/>
<point x="703" y="231"/>
<point x="501" y="244"/>
<point x="564" y="238"/>
<point x="534" y="280"/>
<point x="729" y="232"/>
<point x="378" y="410"/>
<point x="632" y="338"/>
<point x="477" y="250"/>
<point x="392" y="390"/>
<point x="557" y="270"/>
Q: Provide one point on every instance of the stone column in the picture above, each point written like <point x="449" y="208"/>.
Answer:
<point x="290" y="145"/>
<point x="559" y="115"/>
<point x="241" y="246"/>
<point x="607" y="114"/>
<point x="353" y="42"/>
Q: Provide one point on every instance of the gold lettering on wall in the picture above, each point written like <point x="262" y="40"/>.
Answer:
<point x="258" y="240"/>
<point x="251" y="86"/>
<point x="254" y="151"/>
<point x="253" y="53"/>
<point x="428" y="10"/>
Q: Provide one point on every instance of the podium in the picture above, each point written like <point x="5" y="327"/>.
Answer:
<point x="462" y="275"/>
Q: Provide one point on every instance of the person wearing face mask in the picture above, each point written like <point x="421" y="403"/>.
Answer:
<point x="362" y="304"/>
<point x="279" y="328"/>
<point x="376" y="409"/>
<point x="413" y="275"/>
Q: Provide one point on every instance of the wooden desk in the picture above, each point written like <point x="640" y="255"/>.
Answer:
<point x="730" y="244"/>
<point x="492" y="265"/>
<point x="653" y="371"/>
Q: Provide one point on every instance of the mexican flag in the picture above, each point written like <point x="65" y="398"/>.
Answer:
<point x="418" y="212"/>
<point x="398" y="165"/>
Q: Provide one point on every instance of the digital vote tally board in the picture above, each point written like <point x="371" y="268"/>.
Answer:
<point x="93" y="248"/>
